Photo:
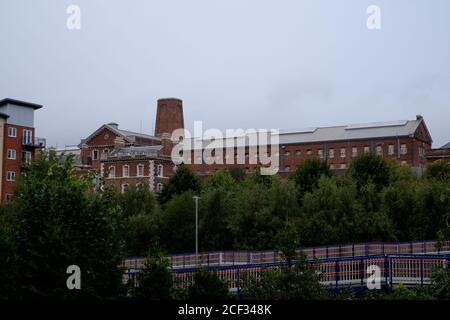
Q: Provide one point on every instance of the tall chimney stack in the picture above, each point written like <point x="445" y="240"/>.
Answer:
<point x="169" y="116"/>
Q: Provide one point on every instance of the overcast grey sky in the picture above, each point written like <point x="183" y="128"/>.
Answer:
<point x="235" y="63"/>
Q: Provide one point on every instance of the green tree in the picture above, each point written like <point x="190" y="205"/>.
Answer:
<point x="216" y="206"/>
<point x="307" y="175"/>
<point x="438" y="170"/>
<point x="177" y="229"/>
<point x="440" y="286"/>
<point x="60" y="222"/>
<point x="300" y="282"/>
<point x="136" y="201"/>
<point x="154" y="281"/>
<point x="182" y="180"/>
<point x="261" y="211"/>
<point x="208" y="286"/>
<point x="370" y="168"/>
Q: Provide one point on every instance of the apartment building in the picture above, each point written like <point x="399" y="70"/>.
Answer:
<point x="18" y="143"/>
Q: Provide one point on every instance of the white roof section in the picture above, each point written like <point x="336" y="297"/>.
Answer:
<point x="374" y="130"/>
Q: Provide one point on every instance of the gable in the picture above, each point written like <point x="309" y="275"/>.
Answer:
<point x="102" y="136"/>
<point x="422" y="133"/>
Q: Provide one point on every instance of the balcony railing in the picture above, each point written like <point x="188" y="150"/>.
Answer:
<point x="33" y="142"/>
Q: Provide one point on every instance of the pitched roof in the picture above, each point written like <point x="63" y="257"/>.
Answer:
<point x="19" y="103"/>
<point x="374" y="130"/>
<point x="128" y="136"/>
<point x="352" y="132"/>
<point x="446" y="146"/>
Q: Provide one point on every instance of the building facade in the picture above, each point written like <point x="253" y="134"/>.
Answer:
<point x="404" y="141"/>
<point x="18" y="143"/>
<point x="127" y="159"/>
<point x="442" y="153"/>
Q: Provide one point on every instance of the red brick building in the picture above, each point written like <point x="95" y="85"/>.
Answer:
<point x="18" y="143"/>
<point x="405" y="141"/>
<point x="442" y="153"/>
<point x="125" y="158"/>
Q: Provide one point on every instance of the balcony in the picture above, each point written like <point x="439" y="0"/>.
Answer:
<point x="33" y="143"/>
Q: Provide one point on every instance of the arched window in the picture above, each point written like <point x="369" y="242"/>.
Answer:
<point x="124" y="187"/>
<point x="112" y="171"/>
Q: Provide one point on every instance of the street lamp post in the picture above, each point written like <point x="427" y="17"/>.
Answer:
<point x="196" y="198"/>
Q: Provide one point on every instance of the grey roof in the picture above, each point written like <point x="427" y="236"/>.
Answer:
<point x="352" y="132"/>
<point x="373" y="130"/>
<point x="446" y="146"/>
<point x="135" y="151"/>
<point x="20" y="103"/>
<point x="129" y="136"/>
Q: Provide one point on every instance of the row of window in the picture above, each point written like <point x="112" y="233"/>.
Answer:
<point x="343" y="151"/>
<point x="96" y="154"/>
<point x="27" y="134"/>
<point x="331" y="152"/>
<point x="139" y="170"/>
<point x="140" y="186"/>
<point x="26" y="155"/>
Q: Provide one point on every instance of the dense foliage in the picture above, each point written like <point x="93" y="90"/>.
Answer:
<point x="56" y="219"/>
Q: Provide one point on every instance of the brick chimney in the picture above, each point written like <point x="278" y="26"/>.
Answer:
<point x="169" y="116"/>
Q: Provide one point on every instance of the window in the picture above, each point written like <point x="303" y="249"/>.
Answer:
<point x="403" y="149"/>
<point x="160" y="170"/>
<point x="10" y="176"/>
<point x="95" y="154"/>
<point x="404" y="163"/>
<point x="343" y="166"/>
<point x="366" y="149"/>
<point x="287" y="153"/>
<point x="112" y="172"/>
<point x="332" y="166"/>
<point x="26" y="156"/>
<point x="140" y="186"/>
<point x="391" y="149"/>
<point x="309" y="152"/>
<point x="320" y="153"/>
<point x="331" y="153"/>
<point x="12" y="154"/>
<point x="124" y="187"/>
<point x="8" y="196"/>
<point x="298" y="153"/>
<point x="27" y="136"/>
<point x="159" y="187"/>
<point x="12" y="132"/>
<point x="140" y="170"/>
<point x="126" y="171"/>
<point x="287" y="168"/>
<point x="354" y="152"/>
<point x="343" y="152"/>
<point x="379" y="150"/>
<point x="105" y="153"/>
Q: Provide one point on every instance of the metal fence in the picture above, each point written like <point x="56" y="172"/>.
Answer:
<point x="236" y="258"/>
<point x="334" y="273"/>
